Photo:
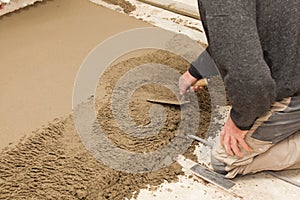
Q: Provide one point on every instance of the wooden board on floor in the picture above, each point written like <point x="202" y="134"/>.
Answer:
<point x="15" y="5"/>
<point x="176" y="7"/>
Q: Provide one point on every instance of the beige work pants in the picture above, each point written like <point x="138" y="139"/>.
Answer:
<point x="275" y="141"/>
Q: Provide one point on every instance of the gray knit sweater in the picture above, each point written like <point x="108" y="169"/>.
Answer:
<point x="256" y="46"/>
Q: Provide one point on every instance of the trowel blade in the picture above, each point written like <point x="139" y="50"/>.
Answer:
<point x="169" y="102"/>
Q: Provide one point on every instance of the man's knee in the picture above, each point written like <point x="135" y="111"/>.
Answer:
<point x="218" y="166"/>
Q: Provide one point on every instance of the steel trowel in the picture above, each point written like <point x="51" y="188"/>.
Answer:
<point x="183" y="100"/>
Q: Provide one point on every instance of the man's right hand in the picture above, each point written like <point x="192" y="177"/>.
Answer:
<point x="186" y="81"/>
<point x="233" y="139"/>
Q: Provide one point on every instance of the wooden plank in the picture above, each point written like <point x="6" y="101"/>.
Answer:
<point x="212" y="177"/>
<point x="283" y="178"/>
<point x="176" y="7"/>
<point x="15" y="5"/>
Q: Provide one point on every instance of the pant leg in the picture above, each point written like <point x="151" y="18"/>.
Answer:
<point x="270" y="130"/>
<point x="284" y="155"/>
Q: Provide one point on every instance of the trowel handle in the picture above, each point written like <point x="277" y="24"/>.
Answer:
<point x="201" y="82"/>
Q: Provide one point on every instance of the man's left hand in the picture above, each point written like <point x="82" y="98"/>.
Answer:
<point x="232" y="137"/>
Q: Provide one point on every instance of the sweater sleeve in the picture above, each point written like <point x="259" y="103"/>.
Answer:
<point x="235" y="47"/>
<point x="203" y="66"/>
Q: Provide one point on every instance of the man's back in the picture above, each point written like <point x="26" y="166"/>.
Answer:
<point x="278" y="24"/>
<point x="256" y="46"/>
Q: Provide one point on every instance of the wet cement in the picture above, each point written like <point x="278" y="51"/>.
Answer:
<point x="54" y="164"/>
<point x="42" y="48"/>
